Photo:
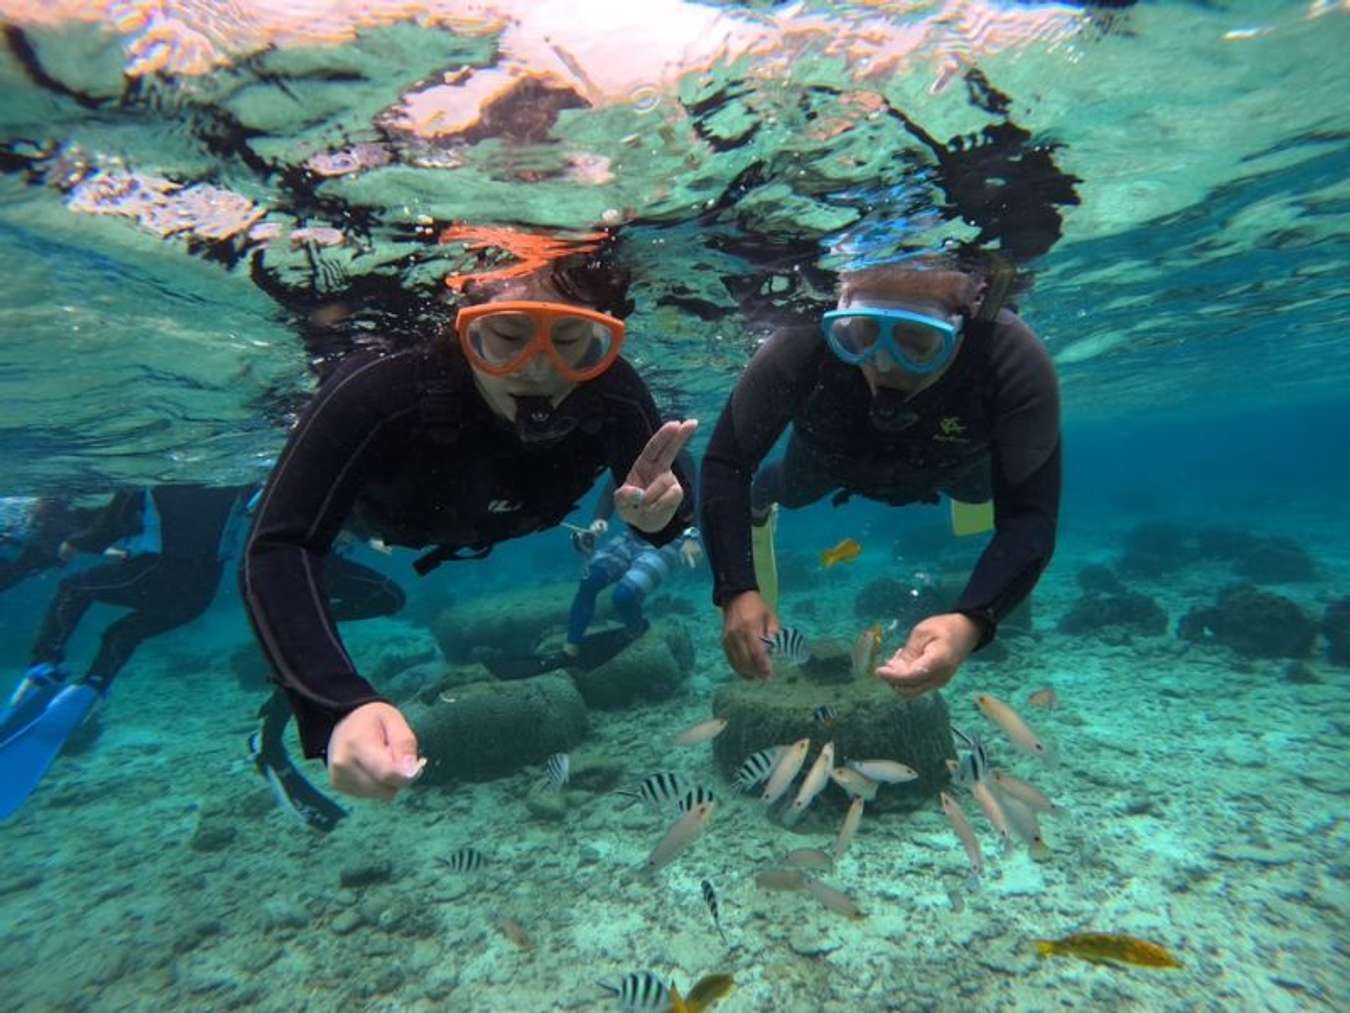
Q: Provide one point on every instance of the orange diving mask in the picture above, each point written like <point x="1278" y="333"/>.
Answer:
<point x="501" y="338"/>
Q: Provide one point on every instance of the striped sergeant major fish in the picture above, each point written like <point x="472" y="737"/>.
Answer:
<point x="639" y="990"/>
<point x="973" y="767"/>
<point x="756" y="768"/>
<point x="788" y="645"/>
<point x="557" y="769"/>
<point x="663" y="790"/>
<point x="464" y="860"/>
<point x="695" y="796"/>
<point x="710" y="898"/>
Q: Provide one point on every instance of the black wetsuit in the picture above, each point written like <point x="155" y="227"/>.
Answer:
<point x="989" y="425"/>
<point x="406" y="447"/>
<point x="167" y="582"/>
<point x="38" y="547"/>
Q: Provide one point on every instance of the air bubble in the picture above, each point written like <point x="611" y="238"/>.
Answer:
<point x="645" y="97"/>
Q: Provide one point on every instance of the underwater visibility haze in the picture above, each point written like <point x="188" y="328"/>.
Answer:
<point x="1135" y="796"/>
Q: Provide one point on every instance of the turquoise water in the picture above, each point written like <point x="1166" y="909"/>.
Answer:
<point x="1174" y="174"/>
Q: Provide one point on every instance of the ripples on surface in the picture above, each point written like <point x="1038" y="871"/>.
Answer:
<point x="742" y="154"/>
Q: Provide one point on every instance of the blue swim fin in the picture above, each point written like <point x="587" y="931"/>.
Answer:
<point x="35" y="730"/>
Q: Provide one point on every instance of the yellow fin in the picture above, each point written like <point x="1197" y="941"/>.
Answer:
<point x="708" y="989"/>
<point x="972" y="518"/>
<point x="677" y="1005"/>
<point x="766" y="563"/>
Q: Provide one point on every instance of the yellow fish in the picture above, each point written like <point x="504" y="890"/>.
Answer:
<point x="1101" y="948"/>
<point x="845" y="552"/>
<point x="704" y="994"/>
<point x="866" y="652"/>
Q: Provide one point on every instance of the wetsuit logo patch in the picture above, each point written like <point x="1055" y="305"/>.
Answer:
<point x="951" y="430"/>
<point x="503" y="506"/>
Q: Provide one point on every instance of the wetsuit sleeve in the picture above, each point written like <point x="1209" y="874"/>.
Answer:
<point x="1025" y="457"/>
<point x="121" y="518"/>
<point x="637" y="420"/>
<point x="358" y="419"/>
<point x="779" y="377"/>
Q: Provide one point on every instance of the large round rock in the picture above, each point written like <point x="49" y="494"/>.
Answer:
<point x="485" y="730"/>
<point x="652" y="667"/>
<point x="870" y="722"/>
<point x="510" y="623"/>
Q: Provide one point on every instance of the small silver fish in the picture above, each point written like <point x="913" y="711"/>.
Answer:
<point x="789" y="763"/>
<point x="808" y="858"/>
<point x="849" y="827"/>
<point x="964" y="833"/>
<point x="640" y="991"/>
<point x="1017" y="730"/>
<point x="1035" y="799"/>
<point x="814" y="782"/>
<point x="710" y="898"/>
<point x="685" y="831"/>
<point x="756" y="768"/>
<point x="988" y="799"/>
<point x="701" y="732"/>
<point x="824" y="715"/>
<point x="834" y="900"/>
<point x="775" y="878"/>
<point x="854" y="783"/>
<point x="1024" y="824"/>
<point x="464" y="860"/>
<point x="557" y="769"/>
<point x="885" y="771"/>
<point x="788" y="645"/>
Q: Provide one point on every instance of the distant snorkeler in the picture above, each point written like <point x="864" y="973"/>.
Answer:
<point x="922" y="382"/>
<point x="162" y="550"/>
<point x="634" y="567"/>
<point x="452" y="447"/>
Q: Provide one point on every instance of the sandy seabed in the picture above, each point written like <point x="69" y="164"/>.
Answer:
<point x="1205" y="798"/>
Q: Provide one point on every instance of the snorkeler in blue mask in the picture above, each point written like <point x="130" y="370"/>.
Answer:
<point x="920" y="384"/>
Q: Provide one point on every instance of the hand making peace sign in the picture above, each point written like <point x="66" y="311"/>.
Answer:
<point x="651" y="493"/>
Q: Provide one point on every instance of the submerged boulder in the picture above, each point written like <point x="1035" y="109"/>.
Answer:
<point x="1098" y="579"/>
<point x="651" y="667"/>
<point x="484" y="730"/>
<point x="1252" y="622"/>
<point x="1274" y="561"/>
<point x="508" y="623"/>
<point x="1336" y="628"/>
<point x="870" y="722"/>
<point x="1109" y="616"/>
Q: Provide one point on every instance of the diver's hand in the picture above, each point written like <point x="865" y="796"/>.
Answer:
<point x="935" y="649"/>
<point x="651" y="494"/>
<point x="373" y="753"/>
<point x="745" y="620"/>
<point x="691" y="552"/>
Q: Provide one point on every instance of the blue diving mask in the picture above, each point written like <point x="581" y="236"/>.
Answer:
<point x="915" y="342"/>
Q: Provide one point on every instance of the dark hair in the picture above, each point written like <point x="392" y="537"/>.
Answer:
<point x="596" y="279"/>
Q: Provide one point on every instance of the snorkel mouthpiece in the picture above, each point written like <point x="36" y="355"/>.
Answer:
<point x="889" y="413"/>
<point x="537" y="422"/>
